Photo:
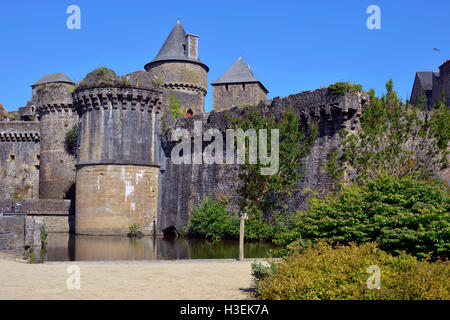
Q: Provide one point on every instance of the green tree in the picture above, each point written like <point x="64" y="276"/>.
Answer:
<point x="400" y="214"/>
<point x="262" y="194"/>
<point x="396" y="139"/>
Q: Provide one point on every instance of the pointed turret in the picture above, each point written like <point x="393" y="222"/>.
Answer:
<point x="178" y="66"/>
<point x="237" y="87"/>
<point x="178" y="46"/>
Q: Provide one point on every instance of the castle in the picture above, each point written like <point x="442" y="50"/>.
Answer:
<point x="430" y="85"/>
<point x="121" y="173"/>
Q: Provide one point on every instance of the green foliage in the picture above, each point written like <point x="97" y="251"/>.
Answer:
<point x="44" y="235"/>
<point x="400" y="214"/>
<point x="134" y="229"/>
<point x="394" y="139"/>
<point x="175" y="106"/>
<point x="341" y="87"/>
<point x="324" y="272"/>
<point x="264" y="193"/>
<point x="211" y="220"/>
<point x="71" y="140"/>
<point x="106" y="75"/>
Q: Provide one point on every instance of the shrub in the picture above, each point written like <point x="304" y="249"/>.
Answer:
<point x="210" y="220"/>
<point x="341" y="87"/>
<point x="400" y="214"/>
<point x="134" y="229"/>
<point x="326" y="273"/>
<point x="71" y="140"/>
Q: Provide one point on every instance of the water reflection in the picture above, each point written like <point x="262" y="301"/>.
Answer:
<point x="69" y="247"/>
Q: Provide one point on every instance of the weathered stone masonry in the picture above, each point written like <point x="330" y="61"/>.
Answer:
<point x="183" y="186"/>
<point x="57" y="117"/>
<point x="19" y="159"/>
<point x="116" y="181"/>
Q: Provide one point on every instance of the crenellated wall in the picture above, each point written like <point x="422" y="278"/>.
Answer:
<point x="19" y="159"/>
<point x="57" y="116"/>
<point x="185" y="80"/>
<point x="226" y="96"/>
<point x="183" y="186"/>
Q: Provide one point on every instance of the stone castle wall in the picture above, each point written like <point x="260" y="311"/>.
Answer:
<point x="57" y="215"/>
<point x="226" y="96"/>
<point x="19" y="159"/>
<point x="187" y="81"/>
<point x="183" y="186"/>
<point x="116" y="181"/>
<point x="57" y="117"/>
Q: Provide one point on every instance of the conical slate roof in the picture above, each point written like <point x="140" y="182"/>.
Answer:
<point x="174" y="48"/>
<point x="57" y="77"/>
<point x="239" y="72"/>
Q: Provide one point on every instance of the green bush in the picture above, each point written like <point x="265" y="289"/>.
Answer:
<point x="324" y="272"/>
<point x="71" y="140"/>
<point x="400" y="214"/>
<point x="210" y="219"/>
<point x="341" y="87"/>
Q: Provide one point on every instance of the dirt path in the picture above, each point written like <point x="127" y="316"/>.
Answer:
<point x="121" y="280"/>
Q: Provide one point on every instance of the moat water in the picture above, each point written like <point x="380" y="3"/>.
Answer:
<point x="69" y="247"/>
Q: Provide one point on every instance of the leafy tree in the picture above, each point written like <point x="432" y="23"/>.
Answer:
<point x="400" y="214"/>
<point x="262" y="194"/>
<point x="395" y="139"/>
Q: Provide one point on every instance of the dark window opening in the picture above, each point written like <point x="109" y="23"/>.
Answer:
<point x="243" y="86"/>
<point x="226" y="87"/>
<point x="13" y="157"/>
<point x="189" y="113"/>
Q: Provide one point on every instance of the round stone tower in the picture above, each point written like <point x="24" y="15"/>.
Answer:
<point x="183" y="75"/>
<point x="53" y="96"/>
<point x="117" y="175"/>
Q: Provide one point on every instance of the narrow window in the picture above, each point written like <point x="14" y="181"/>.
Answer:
<point x="226" y="87"/>
<point x="243" y="87"/>
<point x="13" y="157"/>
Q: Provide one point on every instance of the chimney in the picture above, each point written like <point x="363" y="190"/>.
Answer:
<point x="192" y="46"/>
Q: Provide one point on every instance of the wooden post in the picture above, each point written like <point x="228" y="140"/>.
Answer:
<point x="241" y="237"/>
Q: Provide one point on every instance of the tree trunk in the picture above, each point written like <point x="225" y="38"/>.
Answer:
<point x="241" y="237"/>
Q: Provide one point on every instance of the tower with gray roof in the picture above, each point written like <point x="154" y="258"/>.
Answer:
<point x="430" y="85"/>
<point x="237" y="87"/>
<point x="182" y="72"/>
<point x="57" y="115"/>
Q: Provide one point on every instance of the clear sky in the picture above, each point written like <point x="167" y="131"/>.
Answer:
<point x="291" y="46"/>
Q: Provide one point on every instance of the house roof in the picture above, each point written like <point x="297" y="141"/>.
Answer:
<point x="239" y="72"/>
<point x="426" y="79"/>
<point x="51" y="78"/>
<point x="174" y="48"/>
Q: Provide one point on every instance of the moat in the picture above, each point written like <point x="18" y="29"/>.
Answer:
<point x="70" y="247"/>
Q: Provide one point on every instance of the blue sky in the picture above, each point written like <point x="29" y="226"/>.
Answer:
<point x="291" y="46"/>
